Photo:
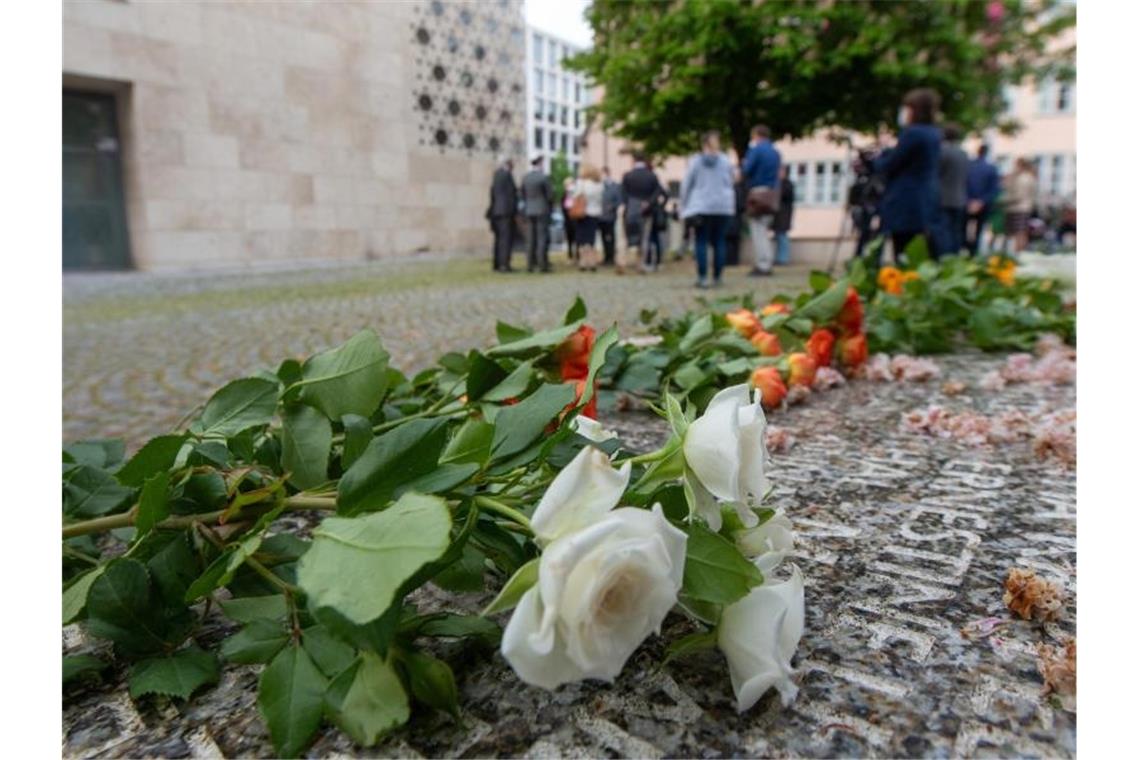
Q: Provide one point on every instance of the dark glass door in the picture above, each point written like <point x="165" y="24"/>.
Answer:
<point x="94" y="213"/>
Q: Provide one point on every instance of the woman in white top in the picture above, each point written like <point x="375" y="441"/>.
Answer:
<point x="1019" y="193"/>
<point x="589" y="185"/>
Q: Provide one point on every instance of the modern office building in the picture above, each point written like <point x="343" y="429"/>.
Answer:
<point x="237" y="133"/>
<point x="556" y="100"/>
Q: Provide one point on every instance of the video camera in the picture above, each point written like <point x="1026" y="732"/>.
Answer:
<point x="868" y="188"/>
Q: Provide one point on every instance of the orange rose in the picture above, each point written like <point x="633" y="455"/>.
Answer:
<point x="801" y="369"/>
<point x="850" y="316"/>
<point x="819" y="347"/>
<point x="767" y="343"/>
<point x="908" y="276"/>
<point x="771" y="386"/>
<point x="591" y="408"/>
<point x="775" y="308"/>
<point x="853" y="350"/>
<point x="890" y="280"/>
<point x="743" y="321"/>
<point x="574" y="354"/>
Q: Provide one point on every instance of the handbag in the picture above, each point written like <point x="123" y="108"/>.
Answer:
<point x="577" y="207"/>
<point x="762" y="201"/>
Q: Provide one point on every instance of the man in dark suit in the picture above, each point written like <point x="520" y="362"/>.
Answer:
<point x="538" y="200"/>
<point x="639" y="190"/>
<point x="501" y="213"/>
<point x="910" y="204"/>
<point x="611" y="200"/>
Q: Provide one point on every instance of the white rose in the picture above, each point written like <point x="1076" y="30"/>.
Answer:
<point x="606" y="579"/>
<point x="726" y="453"/>
<point x="769" y="542"/>
<point x="591" y="429"/>
<point x="758" y="635"/>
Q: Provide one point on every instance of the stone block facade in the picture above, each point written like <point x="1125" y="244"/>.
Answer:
<point x="277" y="131"/>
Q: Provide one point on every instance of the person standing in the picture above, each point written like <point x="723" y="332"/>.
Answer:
<point x="953" y="168"/>
<point x="1020" y="193"/>
<point x="782" y="221"/>
<point x="761" y="170"/>
<point x="639" y="189"/>
<point x="538" y="202"/>
<point x="910" y="201"/>
<point x="569" y="226"/>
<point x="707" y="193"/>
<point x="611" y="200"/>
<point x="501" y="213"/>
<point x="983" y="183"/>
<point x="586" y="229"/>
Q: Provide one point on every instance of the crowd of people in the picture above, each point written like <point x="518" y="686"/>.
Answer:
<point x="925" y="185"/>
<point x="712" y="199"/>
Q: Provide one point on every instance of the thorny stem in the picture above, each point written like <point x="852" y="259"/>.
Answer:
<point x="127" y="519"/>
<point x="255" y="565"/>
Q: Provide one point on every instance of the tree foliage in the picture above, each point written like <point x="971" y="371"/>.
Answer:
<point x="672" y="70"/>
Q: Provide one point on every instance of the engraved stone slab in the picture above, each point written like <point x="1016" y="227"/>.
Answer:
<point x="905" y="541"/>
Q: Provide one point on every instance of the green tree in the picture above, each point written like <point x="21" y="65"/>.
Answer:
<point x="672" y="69"/>
<point x="559" y="171"/>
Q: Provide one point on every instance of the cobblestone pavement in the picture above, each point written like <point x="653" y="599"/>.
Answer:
<point x="141" y="350"/>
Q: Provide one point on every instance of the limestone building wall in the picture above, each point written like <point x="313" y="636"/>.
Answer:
<point x="280" y="131"/>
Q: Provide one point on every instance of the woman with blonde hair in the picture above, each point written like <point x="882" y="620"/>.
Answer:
<point x="1020" y="192"/>
<point x="590" y="186"/>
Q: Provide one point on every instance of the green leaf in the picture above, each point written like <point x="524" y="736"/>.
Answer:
<point x="98" y="453"/>
<point x="432" y="682"/>
<point x="518" y="426"/>
<point x="156" y="455"/>
<point x="826" y="305"/>
<point x="368" y="699"/>
<point x="240" y="405"/>
<point x="521" y="582"/>
<point x="330" y="654"/>
<point x="506" y="333"/>
<point x="173" y="566"/>
<point x="536" y="343"/>
<point x="514" y="385"/>
<point x="393" y="459"/>
<point x="258" y="642"/>
<point x="221" y="571"/>
<point x="90" y="492"/>
<point x="597" y="360"/>
<point x="349" y="379"/>
<point x="291" y="697"/>
<point x="715" y="570"/>
<point x="154" y="503"/>
<point x="121" y="608"/>
<point x="698" y="332"/>
<point x="357" y="436"/>
<point x="444" y="478"/>
<point x="306" y="441"/>
<point x="464" y="575"/>
<point x="77" y="666"/>
<point x="177" y="675"/>
<point x="377" y="551"/>
<point x="819" y="281"/>
<point x="576" y="313"/>
<point x="246" y="609"/>
<point x="447" y="625"/>
<point x="75" y="595"/>
<point x="471" y="443"/>
<point x="686" y="645"/>
<point x="482" y="375"/>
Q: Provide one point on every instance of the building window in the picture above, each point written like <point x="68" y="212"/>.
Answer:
<point x="536" y="43"/>
<point x="552" y="113"/>
<point x="1009" y="100"/>
<point x="553" y="140"/>
<point x="551" y="85"/>
<point x="552" y="54"/>
<point x="565" y="144"/>
<point x="538" y="109"/>
<point x="574" y="146"/>
<point x="1055" y="97"/>
<point x="538" y="138"/>
<point x="577" y="92"/>
<point x="538" y="81"/>
<point x="565" y="87"/>
<point x="837" y="182"/>
<point x="800" y="174"/>
<point x="565" y="54"/>
<point x="565" y="116"/>
<point x="577" y="118"/>
<point x="1057" y="175"/>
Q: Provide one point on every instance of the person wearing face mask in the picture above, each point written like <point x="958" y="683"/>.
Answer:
<point x="910" y="202"/>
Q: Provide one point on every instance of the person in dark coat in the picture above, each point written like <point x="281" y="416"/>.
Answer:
<point x="611" y="201"/>
<point x="910" y="203"/>
<point x="983" y="184"/>
<point x="501" y="213"/>
<point x="639" y="189"/>
<point x="782" y="221"/>
<point x="953" y="165"/>
<point x="538" y="202"/>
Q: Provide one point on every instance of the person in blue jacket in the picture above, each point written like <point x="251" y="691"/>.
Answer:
<point x="910" y="203"/>
<point x="761" y="168"/>
<point x="983" y="183"/>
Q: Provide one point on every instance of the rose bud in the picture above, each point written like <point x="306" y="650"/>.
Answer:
<point x="767" y="380"/>
<point x="850" y="316"/>
<point x="819" y="347"/>
<point x="853" y="350"/>
<point x="766" y="343"/>
<point x="743" y="321"/>
<point x="775" y="308"/>
<point x="801" y="369"/>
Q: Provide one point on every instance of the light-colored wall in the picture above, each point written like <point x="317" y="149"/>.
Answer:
<point x="275" y="131"/>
